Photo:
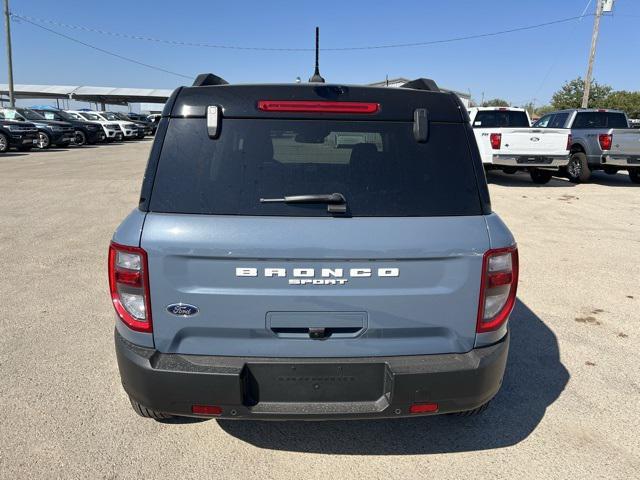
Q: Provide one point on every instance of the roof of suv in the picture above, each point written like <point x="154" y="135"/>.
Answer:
<point x="240" y="101"/>
<point x="601" y="110"/>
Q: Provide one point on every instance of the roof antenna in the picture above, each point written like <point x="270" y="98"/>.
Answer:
<point x="316" y="78"/>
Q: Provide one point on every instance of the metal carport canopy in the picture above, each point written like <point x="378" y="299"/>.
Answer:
<point x="110" y="95"/>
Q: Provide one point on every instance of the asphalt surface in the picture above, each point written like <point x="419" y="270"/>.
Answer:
<point x="569" y="407"/>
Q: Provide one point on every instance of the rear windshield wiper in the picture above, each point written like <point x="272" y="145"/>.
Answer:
<point x="336" y="203"/>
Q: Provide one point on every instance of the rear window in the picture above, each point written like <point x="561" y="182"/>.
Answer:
<point x="500" y="118"/>
<point x="600" y="120"/>
<point x="378" y="166"/>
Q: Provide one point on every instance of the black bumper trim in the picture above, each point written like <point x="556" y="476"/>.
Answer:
<point x="172" y="383"/>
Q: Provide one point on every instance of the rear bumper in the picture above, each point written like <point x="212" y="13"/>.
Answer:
<point x="624" y="161"/>
<point x="310" y="388"/>
<point x="526" y="161"/>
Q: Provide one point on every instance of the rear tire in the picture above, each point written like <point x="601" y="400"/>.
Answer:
<point x="578" y="169"/>
<point x="509" y="170"/>
<point x="634" y="175"/>
<point x="540" y="176"/>
<point x="474" y="412"/>
<point x="147" y="412"/>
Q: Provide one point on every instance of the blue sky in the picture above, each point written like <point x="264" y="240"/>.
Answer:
<point x="518" y="66"/>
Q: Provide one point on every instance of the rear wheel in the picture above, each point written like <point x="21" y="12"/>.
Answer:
<point x="540" y="176"/>
<point x="4" y="143"/>
<point x="147" y="412"/>
<point x="44" y="141"/>
<point x="578" y="168"/>
<point x="634" y="175"/>
<point x="509" y="170"/>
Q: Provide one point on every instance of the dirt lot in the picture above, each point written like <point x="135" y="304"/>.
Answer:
<point x="569" y="408"/>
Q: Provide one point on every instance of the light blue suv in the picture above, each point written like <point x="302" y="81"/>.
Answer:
<point x="312" y="251"/>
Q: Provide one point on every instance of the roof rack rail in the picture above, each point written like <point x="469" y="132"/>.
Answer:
<point x="422" y="84"/>
<point x="206" y="79"/>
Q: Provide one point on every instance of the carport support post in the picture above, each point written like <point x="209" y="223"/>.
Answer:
<point x="7" y="31"/>
<point x="592" y="54"/>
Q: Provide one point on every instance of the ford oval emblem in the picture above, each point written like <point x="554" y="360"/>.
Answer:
<point x="182" y="309"/>
<point x="535" y="139"/>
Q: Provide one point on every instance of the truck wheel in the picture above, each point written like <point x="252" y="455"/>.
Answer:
<point x="578" y="168"/>
<point x="80" y="138"/>
<point x="4" y="143"/>
<point x="540" y="176"/>
<point x="44" y="141"/>
<point x="634" y="175"/>
<point x="147" y="412"/>
<point x="474" y="412"/>
<point x="509" y="170"/>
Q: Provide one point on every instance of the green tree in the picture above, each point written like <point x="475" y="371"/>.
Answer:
<point x="544" y="109"/>
<point x="496" y="102"/>
<point x="570" y="95"/>
<point x="624" y="100"/>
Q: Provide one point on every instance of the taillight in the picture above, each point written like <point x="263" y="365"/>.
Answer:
<point x="129" y="284"/>
<point x="496" y="140"/>
<point x="497" y="288"/>
<point x="317" y="106"/>
<point x="605" y="139"/>
<point x="569" y="141"/>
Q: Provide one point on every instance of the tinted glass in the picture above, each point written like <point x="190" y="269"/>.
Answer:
<point x="500" y="118"/>
<point x="90" y="116"/>
<point x="600" y="120"/>
<point x="30" y="114"/>
<point x="377" y="166"/>
<point x="559" y="119"/>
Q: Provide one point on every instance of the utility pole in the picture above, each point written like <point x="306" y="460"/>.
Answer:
<point x="592" y="53"/>
<point x="7" y="30"/>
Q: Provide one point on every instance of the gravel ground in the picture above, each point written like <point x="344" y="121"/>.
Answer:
<point x="569" y="407"/>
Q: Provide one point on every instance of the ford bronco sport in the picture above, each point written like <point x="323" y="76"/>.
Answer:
<point x="312" y="251"/>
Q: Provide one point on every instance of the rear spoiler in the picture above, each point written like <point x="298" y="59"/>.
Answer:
<point x="421" y="84"/>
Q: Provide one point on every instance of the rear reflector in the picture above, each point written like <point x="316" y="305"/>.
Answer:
<point x="314" y="106"/>
<point x="212" y="410"/>
<point x="497" y="288"/>
<point x="423" y="408"/>
<point x="129" y="286"/>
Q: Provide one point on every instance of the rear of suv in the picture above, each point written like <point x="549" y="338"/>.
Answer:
<point x="312" y="251"/>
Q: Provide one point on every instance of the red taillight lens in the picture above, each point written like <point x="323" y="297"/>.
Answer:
<point x="497" y="288"/>
<point x="129" y="285"/>
<point x="496" y="140"/>
<point x="423" y="408"/>
<point x="212" y="410"/>
<point x="605" y="139"/>
<point x="569" y="141"/>
<point x="315" y="106"/>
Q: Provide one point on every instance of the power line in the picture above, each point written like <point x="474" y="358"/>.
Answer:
<point x="117" y="55"/>
<point x="39" y="21"/>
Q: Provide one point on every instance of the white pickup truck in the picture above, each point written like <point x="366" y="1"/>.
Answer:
<point x="601" y="140"/>
<point x="507" y="142"/>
